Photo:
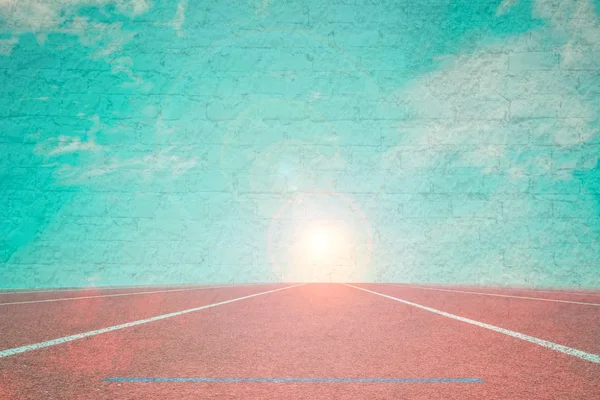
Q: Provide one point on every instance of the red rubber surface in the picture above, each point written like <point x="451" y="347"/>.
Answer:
<point x="8" y="296"/>
<point x="579" y="296"/>
<point x="572" y="325"/>
<point x="316" y="330"/>
<point x="23" y="324"/>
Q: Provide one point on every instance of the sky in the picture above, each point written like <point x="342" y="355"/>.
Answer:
<point x="451" y="142"/>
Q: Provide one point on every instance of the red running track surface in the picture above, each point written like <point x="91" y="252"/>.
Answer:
<point x="309" y="331"/>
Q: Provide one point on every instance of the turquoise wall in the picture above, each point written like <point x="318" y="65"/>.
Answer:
<point x="163" y="142"/>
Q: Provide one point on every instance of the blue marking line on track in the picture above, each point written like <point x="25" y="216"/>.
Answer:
<point x="294" y="380"/>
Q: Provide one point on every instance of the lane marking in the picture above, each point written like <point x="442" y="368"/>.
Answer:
<point x="544" y="343"/>
<point x="76" y="290"/>
<point x="54" y="342"/>
<point x="499" y="295"/>
<point x="115" y="295"/>
<point x="558" y="291"/>
<point x="297" y="380"/>
<point x="100" y="288"/>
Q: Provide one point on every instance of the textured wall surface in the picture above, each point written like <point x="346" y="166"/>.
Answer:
<point x="146" y="142"/>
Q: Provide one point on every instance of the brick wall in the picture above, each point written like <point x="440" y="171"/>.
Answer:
<point x="207" y="141"/>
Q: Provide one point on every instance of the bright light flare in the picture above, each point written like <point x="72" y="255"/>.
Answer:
<point x="320" y="241"/>
<point x="324" y="244"/>
<point x="320" y="237"/>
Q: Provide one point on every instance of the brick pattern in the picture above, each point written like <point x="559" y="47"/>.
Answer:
<point x="161" y="153"/>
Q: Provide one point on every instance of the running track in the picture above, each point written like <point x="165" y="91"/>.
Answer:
<point x="311" y="341"/>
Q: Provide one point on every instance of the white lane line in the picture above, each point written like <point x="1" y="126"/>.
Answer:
<point x="554" y="346"/>
<point x="54" y="342"/>
<point x="100" y="288"/>
<point x="558" y="291"/>
<point x="582" y="293"/>
<point x="92" y="288"/>
<point x="115" y="295"/>
<point x="499" y="295"/>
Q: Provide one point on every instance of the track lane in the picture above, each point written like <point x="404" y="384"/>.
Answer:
<point x="9" y="296"/>
<point x="572" y="325"/>
<point x="513" y="296"/>
<point x="104" y="295"/>
<point x="42" y="295"/>
<point x="309" y="331"/>
<point x="23" y="324"/>
<point x="588" y="296"/>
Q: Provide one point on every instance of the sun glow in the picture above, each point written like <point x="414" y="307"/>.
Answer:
<point x="320" y="240"/>
<point x="320" y="237"/>
<point x="322" y="249"/>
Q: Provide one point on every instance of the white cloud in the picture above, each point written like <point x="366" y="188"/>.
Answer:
<point x="106" y="160"/>
<point x="41" y="98"/>
<point x="261" y="7"/>
<point x="163" y="160"/>
<point x="146" y="164"/>
<point x="67" y="144"/>
<point x="537" y="72"/>
<point x="42" y="17"/>
<point x="132" y="7"/>
<point x="7" y="45"/>
<point x="480" y="97"/>
<point x="505" y="6"/>
<point x="64" y="144"/>
<point x="178" y="19"/>
<point x="124" y="65"/>
<point x="577" y="20"/>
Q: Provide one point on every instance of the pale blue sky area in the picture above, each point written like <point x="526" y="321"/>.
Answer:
<point x="146" y="142"/>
